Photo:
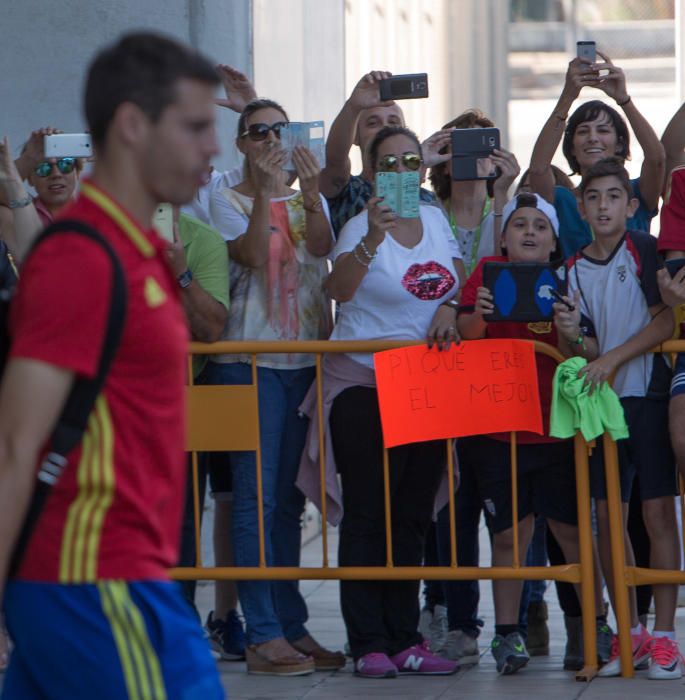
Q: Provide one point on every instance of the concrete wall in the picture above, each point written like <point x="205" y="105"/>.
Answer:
<point x="462" y="45"/>
<point x="299" y="56"/>
<point x="47" y="46"/>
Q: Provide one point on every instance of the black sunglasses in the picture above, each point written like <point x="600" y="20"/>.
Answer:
<point x="258" y="132"/>
<point x="64" y="165"/>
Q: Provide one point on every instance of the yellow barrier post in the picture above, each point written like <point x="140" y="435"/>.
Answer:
<point x="618" y="556"/>
<point x="450" y="492"/>
<point x="322" y="460"/>
<point x="587" y="584"/>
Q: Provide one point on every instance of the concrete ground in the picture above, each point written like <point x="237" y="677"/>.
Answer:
<point x="543" y="678"/>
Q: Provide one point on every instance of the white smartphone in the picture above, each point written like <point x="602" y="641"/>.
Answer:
<point x="68" y="146"/>
<point x="163" y="221"/>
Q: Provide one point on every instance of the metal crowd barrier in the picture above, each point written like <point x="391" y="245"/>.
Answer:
<point x="624" y="575"/>
<point x="226" y="418"/>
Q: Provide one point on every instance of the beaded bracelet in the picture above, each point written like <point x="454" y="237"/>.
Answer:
<point x="366" y="251"/>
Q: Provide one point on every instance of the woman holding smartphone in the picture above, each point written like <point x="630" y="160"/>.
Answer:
<point x="278" y="239"/>
<point x="593" y="132"/>
<point x="472" y="207"/>
<point x="397" y="278"/>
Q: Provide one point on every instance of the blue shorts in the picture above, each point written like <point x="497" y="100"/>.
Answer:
<point x="113" y="640"/>
<point x="678" y="381"/>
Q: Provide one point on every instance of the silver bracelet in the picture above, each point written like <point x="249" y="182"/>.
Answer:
<point x="358" y="259"/>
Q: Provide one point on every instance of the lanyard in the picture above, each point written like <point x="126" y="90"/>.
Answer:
<point x="487" y="206"/>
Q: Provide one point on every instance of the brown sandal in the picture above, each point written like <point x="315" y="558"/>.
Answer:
<point x="324" y="659"/>
<point x="291" y="665"/>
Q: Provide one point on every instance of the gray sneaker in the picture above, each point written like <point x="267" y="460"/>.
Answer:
<point x="462" y="648"/>
<point x="509" y="652"/>
<point x="437" y="629"/>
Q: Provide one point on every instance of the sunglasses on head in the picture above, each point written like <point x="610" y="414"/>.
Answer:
<point x="258" y="132"/>
<point x="64" y="165"/>
<point x="390" y="163"/>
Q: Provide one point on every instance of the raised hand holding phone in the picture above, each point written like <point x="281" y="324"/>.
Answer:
<point x="381" y="220"/>
<point x="366" y="92"/>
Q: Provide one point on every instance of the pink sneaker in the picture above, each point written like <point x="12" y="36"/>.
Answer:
<point x="375" y="665"/>
<point x="420" y="661"/>
<point x="642" y="648"/>
<point x="666" y="662"/>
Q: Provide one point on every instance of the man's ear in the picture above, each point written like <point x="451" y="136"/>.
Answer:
<point x="633" y="205"/>
<point x="131" y="124"/>
<point x="581" y="209"/>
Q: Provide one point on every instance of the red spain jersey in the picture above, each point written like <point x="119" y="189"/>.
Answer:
<point x="543" y="331"/>
<point x="116" y="512"/>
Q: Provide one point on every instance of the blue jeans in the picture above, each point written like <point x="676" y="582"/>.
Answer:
<point x="272" y="608"/>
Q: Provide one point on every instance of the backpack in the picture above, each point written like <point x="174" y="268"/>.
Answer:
<point x="73" y="419"/>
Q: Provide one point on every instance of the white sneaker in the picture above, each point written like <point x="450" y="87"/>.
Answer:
<point x="462" y="648"/>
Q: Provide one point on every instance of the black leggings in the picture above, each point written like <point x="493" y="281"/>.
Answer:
<point x="381" y="616"/>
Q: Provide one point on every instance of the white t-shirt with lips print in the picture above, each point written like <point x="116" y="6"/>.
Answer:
<point x="403" y="288"/>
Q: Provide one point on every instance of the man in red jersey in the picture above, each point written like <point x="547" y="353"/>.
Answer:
<point x="90" y="608"/>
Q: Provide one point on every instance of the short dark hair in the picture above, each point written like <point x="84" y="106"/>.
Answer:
<point x="142" y="68"/>
<point x="385" y="133"/>
<point x="440" y="179"/>
<point x="561" y="179"/>
<point x="588" y="112"/>
<point x="607" y="167"/>
<point x="254" y="106"/>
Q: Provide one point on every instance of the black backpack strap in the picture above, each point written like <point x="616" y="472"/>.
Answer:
<point x="72" y="422"/>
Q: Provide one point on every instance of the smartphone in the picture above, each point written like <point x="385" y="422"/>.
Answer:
<point x="163" y="221"/>
<point x="400" y="191"/>
<point x="309" y="134"/>
<point x="68" y="146"/>
<point x="674" y="266"/>
<point x="471" y="151"/>
<point x="587" y="49"/>
<point x="404" y="87"/>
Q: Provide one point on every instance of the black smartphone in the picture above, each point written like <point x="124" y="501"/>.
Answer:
<point x="524" y="292"/>
<point x="404" y="87"/>
<point x="674" y="266"/>
<point x="471" y="151"/>
<point x="587" y="49"/>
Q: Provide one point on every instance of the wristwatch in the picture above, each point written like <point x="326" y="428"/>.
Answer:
<point x="19" y="203"/>
<point x="184" y="279"/>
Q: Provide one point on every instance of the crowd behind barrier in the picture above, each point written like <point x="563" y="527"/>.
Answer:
<point x="284" y="401"/>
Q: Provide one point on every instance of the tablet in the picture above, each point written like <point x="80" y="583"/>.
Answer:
<point x="523" y="291"/>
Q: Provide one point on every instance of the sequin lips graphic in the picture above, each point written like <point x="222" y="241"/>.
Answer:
<point x="428" y="281"/>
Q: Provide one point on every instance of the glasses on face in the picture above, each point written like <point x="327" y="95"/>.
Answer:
<point x="390" y="163"/>
<point x="64" y="165"/>
<point x="258" y="132"/>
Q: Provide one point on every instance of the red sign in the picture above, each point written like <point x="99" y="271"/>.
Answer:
<point x="474" y="388"/>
